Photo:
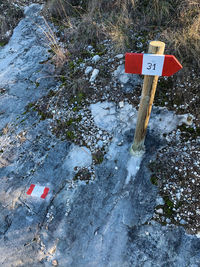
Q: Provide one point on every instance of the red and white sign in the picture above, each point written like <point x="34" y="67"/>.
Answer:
<point x="151" y="64"/>
<point x="37" y="191"/>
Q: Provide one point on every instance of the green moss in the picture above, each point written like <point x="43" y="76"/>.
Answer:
<point x="63" y="79"/>
<point x="80" y="97"/>
<point x="70" y="135"/>
<point x="100" y="49"/>
<point x="51" y="93"/>
<point x="168" y="212"/>
<point x="71" y="65"/>
<point x="188" y="132"/>
<point x="168" y="207"/>
<point x="74" y="121"/>
<point x="86" y="54"/>
<point x="198" y="131"/>
<point x="37" y="84"/>
<point x="185" y="128"/>
<point x="79" y="61"/>
<point x="43" y="115"/>
<point x="22" y="120"/>
<point x="79" y="118"/>
<point x="98" y="157"/>
<point x="154" y="180"/>
<point x="28" y="107"/>
<point x="55" y="21"/>
<point x="69" y="122"/>
<point x="169" y="203"/>
<point x="3" y="43"/>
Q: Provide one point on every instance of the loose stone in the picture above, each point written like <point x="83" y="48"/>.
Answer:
<point x="94" y="75"/>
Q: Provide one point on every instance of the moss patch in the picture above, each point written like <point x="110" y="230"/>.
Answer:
<point x="98" y="157"/>
<point x="154" y="180"/>
<point x="3" y="43"/>
<point x="188" y="132"/>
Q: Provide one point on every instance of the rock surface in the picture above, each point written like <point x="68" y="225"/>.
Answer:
<point x="107" y="222"/>
<point x="128" y="81"/>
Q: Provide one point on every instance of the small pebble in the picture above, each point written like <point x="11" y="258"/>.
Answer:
<point x="119" y="56"/>
<point x="55" y="263"/>
<point x="160" y="211"/>
<point x="121" y="104"/>
<point x="88" y="69"/>
<point x="94" y="75"/>
<point x="96" y="58"/>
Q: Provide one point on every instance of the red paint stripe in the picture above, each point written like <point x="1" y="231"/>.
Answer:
<point x="46" y="190"/>
<point x="133" y="63"/>
<point x="171" y="65"/>
<point x="30" y="190"/>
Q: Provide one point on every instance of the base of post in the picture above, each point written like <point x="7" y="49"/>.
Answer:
<point x="137" y="149"/>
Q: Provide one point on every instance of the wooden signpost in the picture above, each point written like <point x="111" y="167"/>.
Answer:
<point x="152" y="65"/>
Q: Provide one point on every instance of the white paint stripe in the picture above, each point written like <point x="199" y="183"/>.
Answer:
<point x="38" y="191"/>
<point x="152" y="64"/>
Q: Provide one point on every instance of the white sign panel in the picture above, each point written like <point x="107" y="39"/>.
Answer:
<point x="38" y="191"/>
<point x="152" y="64"/>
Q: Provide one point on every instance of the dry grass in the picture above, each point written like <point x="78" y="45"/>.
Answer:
<point x="185" y="39"/>
<point x="158" y="10"/>
<point x="60" y="53"/>
<point x="176" y="22"/>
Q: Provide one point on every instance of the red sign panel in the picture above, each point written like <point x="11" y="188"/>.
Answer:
<point x="151" y="64"/>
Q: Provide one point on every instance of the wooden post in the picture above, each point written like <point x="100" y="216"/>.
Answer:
<point x="146" y="102"/>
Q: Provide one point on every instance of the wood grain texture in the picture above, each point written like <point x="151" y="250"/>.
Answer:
<point x="146" y="102"/>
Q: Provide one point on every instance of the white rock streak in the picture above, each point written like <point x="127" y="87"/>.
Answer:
<point x="133" y="166"/>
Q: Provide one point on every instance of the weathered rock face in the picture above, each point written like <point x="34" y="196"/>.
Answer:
<point x="23" y="80"/>
<point x="107" y="222"/>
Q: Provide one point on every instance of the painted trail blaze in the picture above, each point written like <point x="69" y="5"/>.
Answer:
<point x="37" y="191"/>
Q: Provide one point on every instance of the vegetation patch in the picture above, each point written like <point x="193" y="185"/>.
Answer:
<point x="83" y="175"/>
<point x="98" y="157"/>
<point x="154" y="180"/>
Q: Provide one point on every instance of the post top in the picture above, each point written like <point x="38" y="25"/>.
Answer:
<point x="157" y="44"/>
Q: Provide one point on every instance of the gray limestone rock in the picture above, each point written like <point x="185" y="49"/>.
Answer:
<point x="129" y="81"/>
<point x="107" y="222"/>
